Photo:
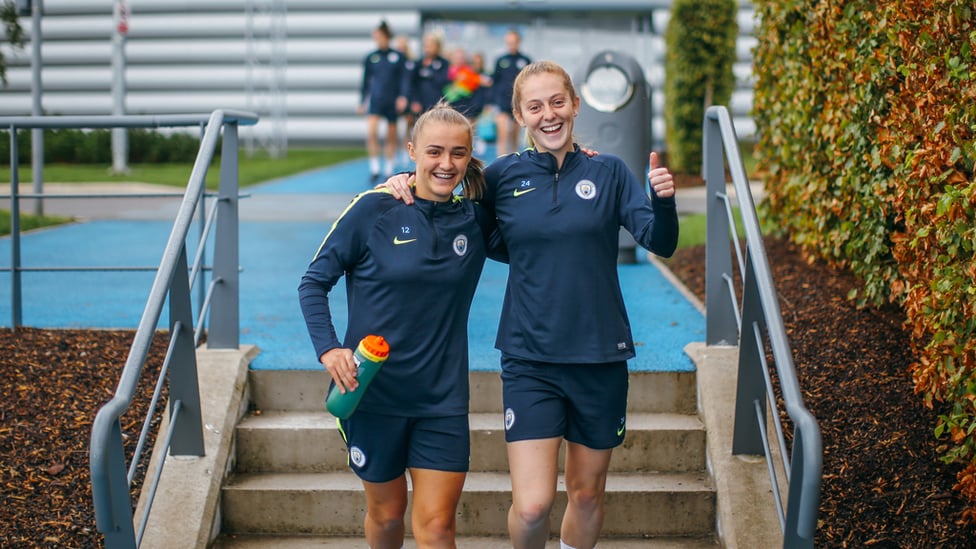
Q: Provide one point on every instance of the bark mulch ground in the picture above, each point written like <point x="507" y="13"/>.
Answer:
<point x="883" y="483"/>
<point x="52" y="383"/>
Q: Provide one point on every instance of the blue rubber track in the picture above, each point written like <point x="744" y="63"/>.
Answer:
<point x="273" y="255"/>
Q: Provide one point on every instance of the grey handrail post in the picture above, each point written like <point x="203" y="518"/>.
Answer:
<point x="801" y="515"/>
<point x="183" y="387"/>
<point x="750" y="390"/>
<point x="202" y="209"/>
<point x="121" y="532"/>
<point x="761" y="324"/>
<point x="720" y="323"/>
<point x="224" y="331"/>
<point x="16" y="305"/>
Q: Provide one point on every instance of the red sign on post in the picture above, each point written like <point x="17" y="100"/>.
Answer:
<point x="122" y="17"/>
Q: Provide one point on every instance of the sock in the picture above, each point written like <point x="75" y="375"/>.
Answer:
<point x="389" y="167"/>
<point x="564" y="545"/>
<point x="374" y="165"/>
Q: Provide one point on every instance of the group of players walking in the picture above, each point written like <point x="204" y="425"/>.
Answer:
<point x="395" y="86"/>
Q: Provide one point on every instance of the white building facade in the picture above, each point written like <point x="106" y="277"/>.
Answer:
<point x="298" y="63"/>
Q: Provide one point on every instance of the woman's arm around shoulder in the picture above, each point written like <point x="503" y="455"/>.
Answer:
<point x="494" y="244"/>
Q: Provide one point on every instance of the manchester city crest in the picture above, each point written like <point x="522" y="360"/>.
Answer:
<point x="357" y="457"/>
<point x="586" y="189"/>
<point x="461" y="245"/>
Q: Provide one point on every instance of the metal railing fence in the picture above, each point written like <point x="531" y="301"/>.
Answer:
<point x="111" y="478"/>
<point x="750" y="325"/>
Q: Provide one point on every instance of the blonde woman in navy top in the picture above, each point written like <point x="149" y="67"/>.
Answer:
<point x="430" y="76"/>
<point x="413" y="417"/>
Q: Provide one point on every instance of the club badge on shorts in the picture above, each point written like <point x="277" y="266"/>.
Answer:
<point x="357" y="457"/>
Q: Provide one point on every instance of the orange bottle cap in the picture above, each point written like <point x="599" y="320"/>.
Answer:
<point x="376" y="346"/>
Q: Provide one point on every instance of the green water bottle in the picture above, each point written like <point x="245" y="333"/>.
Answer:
<point x="369" y="356"/>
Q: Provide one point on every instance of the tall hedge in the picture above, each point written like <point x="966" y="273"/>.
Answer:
<point x="74" y="146"/>
<point x="700" y="50"/>
<point x="866" y="116"/>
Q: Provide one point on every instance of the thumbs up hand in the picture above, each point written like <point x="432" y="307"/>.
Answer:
<point x="660" y="178"/>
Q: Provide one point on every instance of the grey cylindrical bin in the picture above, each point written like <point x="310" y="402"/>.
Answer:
<point x="615" y="118"/>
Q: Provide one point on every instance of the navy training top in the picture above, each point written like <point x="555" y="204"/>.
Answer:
<point x="383" y="77"/>
<point x="563" y="301"/>
<point x="406" y="80"/>
<point x="411" y="273"/>
<point x="507" y="68"/>
<point x="428" y="81"/>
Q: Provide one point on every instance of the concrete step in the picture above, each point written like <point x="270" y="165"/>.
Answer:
<point x="323" y="542"/>
<point x="637" y="504"/>
<point x="306" y="441"/>
<point x="651" y="392"/>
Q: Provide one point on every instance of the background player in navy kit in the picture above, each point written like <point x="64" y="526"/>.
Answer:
<point x="407" y="116"/>
<point x="482" y="94"/>
<point x="382" y="97"/>
<point x="507" y="68"/>
<point x="430" y="76"/>
<point x="564" y="332"/>
<point x="479" y="103"/>
<point x="414" y="414"/>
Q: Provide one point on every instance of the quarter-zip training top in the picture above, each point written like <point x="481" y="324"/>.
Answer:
<point x="411" y="273"/>
<point x="563" y="301"/>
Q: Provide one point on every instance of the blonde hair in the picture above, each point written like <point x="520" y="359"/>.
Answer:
<point x="436" y="38"/>
<point x="473" y="183"/>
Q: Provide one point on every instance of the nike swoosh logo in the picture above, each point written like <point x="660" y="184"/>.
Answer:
<point x="397" y="241"/>
<point x="518" y="193"/>
<point x="620" y="431"/>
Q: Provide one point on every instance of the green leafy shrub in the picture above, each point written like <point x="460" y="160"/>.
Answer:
<point x="700" y="50"/>
<point x="866" y="117"/>
<point x="76" y="146"/>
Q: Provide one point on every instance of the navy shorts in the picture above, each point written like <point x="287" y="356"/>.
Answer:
<point x="583" y="403"/>
<point x="384" y="110"/>
<point x="382" y="447"/>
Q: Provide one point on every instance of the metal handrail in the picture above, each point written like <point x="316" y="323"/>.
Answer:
<point x="750" y="326"/>
<point x="13" y="123"/>
<point x="111" y="479"/>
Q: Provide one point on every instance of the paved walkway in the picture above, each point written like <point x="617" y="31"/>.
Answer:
<point x="282" y="224"/>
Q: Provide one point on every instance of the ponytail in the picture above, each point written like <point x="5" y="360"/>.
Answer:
<point x="473" y="183"/>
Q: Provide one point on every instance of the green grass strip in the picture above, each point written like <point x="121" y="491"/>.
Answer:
<point x="251" y="170"/>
